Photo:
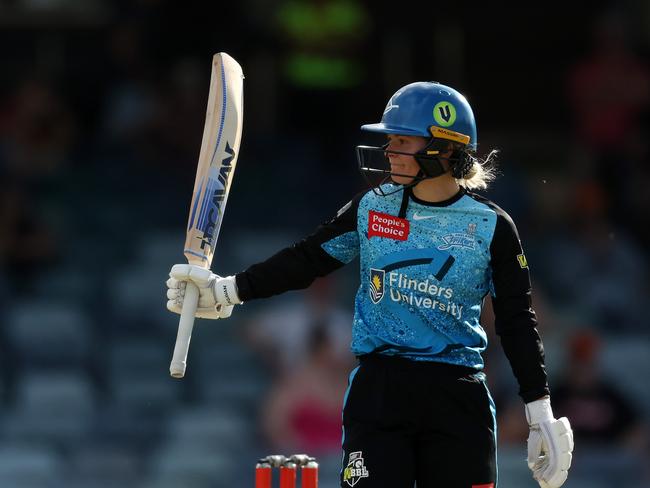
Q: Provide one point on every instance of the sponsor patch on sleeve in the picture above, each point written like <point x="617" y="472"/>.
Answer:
<point x="388" y="226"/>
<point x="523" y="262"/>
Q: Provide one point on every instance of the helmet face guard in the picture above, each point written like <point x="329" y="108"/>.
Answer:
<point x="425" y="109"/>
<point x="375" y="169"/>
<point x="374" y="165"/>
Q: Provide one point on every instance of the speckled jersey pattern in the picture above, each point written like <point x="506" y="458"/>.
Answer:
<point x="421" y="291"/>
<point x="425" y="270"/>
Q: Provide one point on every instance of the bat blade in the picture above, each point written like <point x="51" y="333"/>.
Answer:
<point x="217" y="159"/>
<point x="215" y="170"/>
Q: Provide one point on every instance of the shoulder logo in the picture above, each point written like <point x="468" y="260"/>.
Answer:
<point x="355" y="470"/>
<point x="523" y="262"/>
<point x="376" y="286"/>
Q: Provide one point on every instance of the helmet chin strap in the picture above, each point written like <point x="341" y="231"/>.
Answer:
<point x="429" y="167"/>
<point x="421" y="176"/>
<point x="428" y="158"/>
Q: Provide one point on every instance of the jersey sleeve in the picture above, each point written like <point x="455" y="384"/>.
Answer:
<point x="332" y="245"/>
<point x="515" y="320"/>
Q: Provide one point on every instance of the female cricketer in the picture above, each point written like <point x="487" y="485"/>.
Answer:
<point x="417" y="410"/>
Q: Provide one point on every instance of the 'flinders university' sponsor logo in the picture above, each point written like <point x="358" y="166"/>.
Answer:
<point x="420" y="294"/>
<point x="376" y="284"/>
<point x="423" y="294"/>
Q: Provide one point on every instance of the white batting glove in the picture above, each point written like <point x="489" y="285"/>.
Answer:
<point x="217" y="295"/>
<point x="550" y="444"/>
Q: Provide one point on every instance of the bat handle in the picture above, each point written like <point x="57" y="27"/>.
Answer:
<point x="185" y="326"/>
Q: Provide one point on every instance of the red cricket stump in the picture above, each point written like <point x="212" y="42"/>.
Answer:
<point x="288" y="475"/>
<point x="309" y="475"/>
<point x="288" y="471"/>
<point x="263" y="475"/>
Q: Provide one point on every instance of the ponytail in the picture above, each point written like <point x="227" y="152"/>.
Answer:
<point x="481" y="173"/>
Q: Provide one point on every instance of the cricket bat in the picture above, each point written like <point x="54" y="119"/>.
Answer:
<point x="214" y="174"/>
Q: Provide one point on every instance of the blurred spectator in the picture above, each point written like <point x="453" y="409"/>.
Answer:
<point x="182" y="114"/>
<point x="597" y="254"/>
<point x="38" y="136"/>
<point x="324" y="46"/>
<point x="610" y="89"/>
<point x="303" y="411"/>
<point x="599" y="413"/>
<point x="609" y="92"/>
<point x="38" y="132"/>
<point x="130" y="104"/>
<point x="322" y="38"/>
<point x="282" y="334"/>
<point x="27" y="243"/>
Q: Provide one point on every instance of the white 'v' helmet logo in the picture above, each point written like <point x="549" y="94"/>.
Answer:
<point x="390" y="105"/>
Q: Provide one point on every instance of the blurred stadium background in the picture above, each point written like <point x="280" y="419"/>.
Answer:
<point x="101" y="113"/>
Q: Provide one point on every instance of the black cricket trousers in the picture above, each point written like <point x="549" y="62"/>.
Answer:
<point x="408" y="422"/>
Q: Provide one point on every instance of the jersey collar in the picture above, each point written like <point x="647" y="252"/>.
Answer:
<point x="445" y="203"/>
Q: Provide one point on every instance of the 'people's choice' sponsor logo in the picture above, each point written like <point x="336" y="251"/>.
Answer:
<point x="388" y="226"/>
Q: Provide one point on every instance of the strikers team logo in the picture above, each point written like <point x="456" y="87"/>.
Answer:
<point x="355" y="470"/>
<point x="463" y="240"/>
<point x="376" y="284"/>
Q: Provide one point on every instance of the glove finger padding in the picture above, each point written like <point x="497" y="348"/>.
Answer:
<point x="180" y="274"/>
<point x="535" y="457"/>
<point x="215" y="302"/>
<point x="210" y="312"/>
<point x="218" y="312"/>
<point x="189" y="272"/>
<point x="176" y="293"/>
<point x="173" y="283"/>
<point x="224" y="311"/>
<point x="549" y="451"/>
<point x="205" y="309"/>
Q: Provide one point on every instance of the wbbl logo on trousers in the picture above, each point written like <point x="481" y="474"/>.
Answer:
<point x="355" y="470"/>
<point x="376" y="284"/>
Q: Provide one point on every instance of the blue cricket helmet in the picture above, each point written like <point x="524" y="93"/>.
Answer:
<point x="428" y="109"/>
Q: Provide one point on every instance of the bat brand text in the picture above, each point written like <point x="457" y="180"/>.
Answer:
<point x="217" y="198"/>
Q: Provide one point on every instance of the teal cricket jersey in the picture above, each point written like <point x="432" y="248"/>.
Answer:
<point x="425" y="269"/>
